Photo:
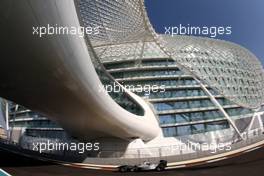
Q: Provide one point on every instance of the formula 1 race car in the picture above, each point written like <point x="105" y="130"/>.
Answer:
<point x="144" y="167"/>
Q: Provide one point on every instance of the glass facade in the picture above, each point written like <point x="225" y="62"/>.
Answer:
<point x="147" y="73"/>
<point x="195" y="129"/>
<point x="177" y="93"/>
<point x="164" y="82"/>
<point x="57" y="134"/>
<point x="167" y="62"/>
<point x="120" y="97"/>
<point x="44" y="123"/>
<point x="19" y="116"/>
<point x="183" y="105"/>
<point x="183" y="108"/>
<point x="189" y="117"/>
<point x="119" y="65"/>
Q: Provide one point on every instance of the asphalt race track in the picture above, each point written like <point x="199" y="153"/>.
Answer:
<point x="251" y="164"/>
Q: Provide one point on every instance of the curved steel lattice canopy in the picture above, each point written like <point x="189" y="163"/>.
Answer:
<point x="119" y="21"/>
<point x="228" y="68"/>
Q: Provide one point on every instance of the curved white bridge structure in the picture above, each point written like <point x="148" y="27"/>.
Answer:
<point x="62" y="75"/>
<point x="55" y="75"/>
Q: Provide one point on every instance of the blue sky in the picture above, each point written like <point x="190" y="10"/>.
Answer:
<point x="245" y="16"/>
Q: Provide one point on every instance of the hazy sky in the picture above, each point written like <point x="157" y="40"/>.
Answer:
<point x="245" y="16"/>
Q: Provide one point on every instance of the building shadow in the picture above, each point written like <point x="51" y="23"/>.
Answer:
<point x="9" y="159"/>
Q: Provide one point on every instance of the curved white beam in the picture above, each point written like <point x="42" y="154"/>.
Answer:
<point x="55" y="75"/>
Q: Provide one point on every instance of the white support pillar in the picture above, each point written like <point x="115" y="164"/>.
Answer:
<point x="7" y="115"/>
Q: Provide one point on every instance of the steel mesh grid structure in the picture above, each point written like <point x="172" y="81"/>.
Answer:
<point x="119" y="20"/>
<point x="228" y="68"/>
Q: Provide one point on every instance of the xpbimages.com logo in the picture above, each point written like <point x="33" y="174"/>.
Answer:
<point x="146" y="89"/>
<point x="210" y="31"/>
<point x="44" y="147"/>
<point x="42" y="31"/>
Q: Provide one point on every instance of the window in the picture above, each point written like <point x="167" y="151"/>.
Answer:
<point x="213" y="126"/>
<point x="170" y="132"/>
<point x="183" y="130"/>
<point x="197" y="116"/>
<point x="198" y="128"/>
<point x="182" y="118"/>
<point x="167" y="119"/>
